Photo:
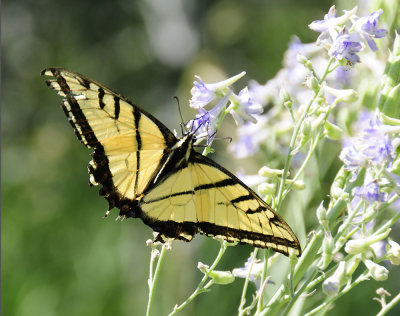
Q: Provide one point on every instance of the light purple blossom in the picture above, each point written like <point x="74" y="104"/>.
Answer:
<point x="373" y="147"/>
<point x="367" y="27"/>
<point x="346" y="46"/>
<point x="204" y="93"/>
<point x="327" y="27"/>
<point x="255" y="274"/>
<point x="244" y="107"/>
<point x="370" y="193"/>
<point x="205" y="123"/>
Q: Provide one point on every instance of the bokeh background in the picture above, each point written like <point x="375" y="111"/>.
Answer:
<point x="59" y="256"/>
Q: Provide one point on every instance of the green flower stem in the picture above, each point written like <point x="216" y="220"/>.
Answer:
<point x="153" y="279"/>
<point x="246" y="282"/>
<point x="200" y="288"/>
<point x="386" y="308"/>
<point x="306" y="260"/>
<point x="260" y="303"/>
<point x="294" y="138"/>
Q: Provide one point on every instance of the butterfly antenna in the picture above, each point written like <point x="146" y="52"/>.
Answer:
<point x="183" y="126"/>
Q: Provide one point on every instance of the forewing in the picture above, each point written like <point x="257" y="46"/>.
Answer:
<point x="129" y="143"/>
<point x="204" y="197"/>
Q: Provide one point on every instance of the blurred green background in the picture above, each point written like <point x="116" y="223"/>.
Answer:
<point x="59" y="256"/>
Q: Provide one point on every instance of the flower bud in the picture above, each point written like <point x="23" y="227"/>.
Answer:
<point x="221" y="277"/>
<point x="339" y="183"/>
<point x="377" y="272"/>
<point x="321" y="215"/>
<point x="284" y="95"/>
<point x="357" y="246"/>
<point x="342" y="95"/>
<point x="394" y="253"/>
<point x="269" y="173"/>
<point x="332" y="284"/>
<point x="327" y="249"/>
<point x="302" y="59"/>
<point x="306" y="131"/>
<point x="312" y="83"/>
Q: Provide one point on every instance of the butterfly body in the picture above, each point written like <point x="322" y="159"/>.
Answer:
<point x="148" y="173"/>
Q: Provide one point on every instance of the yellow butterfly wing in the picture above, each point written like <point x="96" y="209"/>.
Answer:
<point x="147" y="172"/>
<point x="130" y="144"/>
<point x="204" y="197"/>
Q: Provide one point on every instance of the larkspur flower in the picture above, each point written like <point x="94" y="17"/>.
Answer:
<point x="255" y="274"/>
<point x="370" y="192"/>
<point x="372" y="148"/>
<point x="204" y="93"/>
<point x="244" y="107"/>
<point x="256" y="270"/>
<point x="327" y="27"/>
<point x="367" y="28"/>
<point x="346" y="46"/>
<point x="205" y="123"/>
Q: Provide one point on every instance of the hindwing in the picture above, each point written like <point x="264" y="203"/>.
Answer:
<point x="204" y="197"/>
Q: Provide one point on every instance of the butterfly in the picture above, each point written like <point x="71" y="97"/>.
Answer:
<point x="149" y="173"/>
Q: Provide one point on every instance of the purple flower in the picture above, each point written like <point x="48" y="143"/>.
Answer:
<point x="367" y="28"/>
<point x="373" y="147"/>
<point x="243" y="107"/>
<point x="345" y="46"/>
<point x="205" y="123"/>
<point x="327" y="26"/>
<point x="323" y="26"/>
<point x="370" y="193"/>
<point x="204" y="93"/>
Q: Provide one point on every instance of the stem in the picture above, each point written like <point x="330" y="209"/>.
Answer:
<point x="153" y="280"/>
<point x="200" y="289"/>
<point x="389" y="306"/>
<point x="246" y="282"/>
<point x="294" y="138"/>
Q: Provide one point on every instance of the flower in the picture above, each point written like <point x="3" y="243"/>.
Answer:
<point x="366" y="26"/>
<point x="327" y="26"/>
<point x="203" y="93"/>
<point x="345" y="46"/>
<point x="370" y="192"/>
<point x="377" y="272"/>
<point x="373" y="147"/>
<point x="243" y="106"/>
<point x="256" y="269"/>
<point x="205" y="123"/>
